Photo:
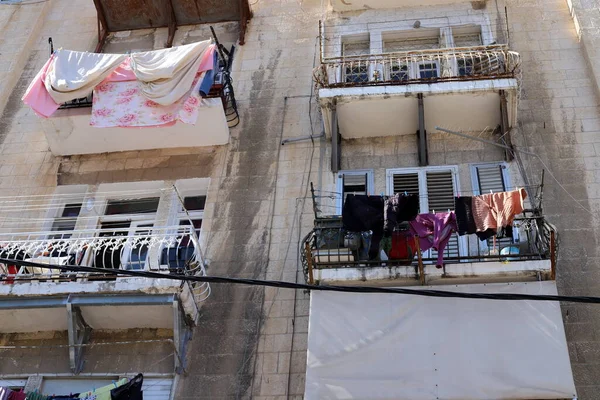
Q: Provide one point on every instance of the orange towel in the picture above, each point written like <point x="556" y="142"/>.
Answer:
<point x="497" y="210"/>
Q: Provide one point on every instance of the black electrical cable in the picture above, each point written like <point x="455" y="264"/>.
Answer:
<point x="292" y="285"/>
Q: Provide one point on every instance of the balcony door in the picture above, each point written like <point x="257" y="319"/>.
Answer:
<point x="127" y="227"/>
<point x="436" y="188"/>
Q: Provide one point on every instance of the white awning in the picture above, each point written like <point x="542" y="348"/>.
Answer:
<point x="391" y="346"/>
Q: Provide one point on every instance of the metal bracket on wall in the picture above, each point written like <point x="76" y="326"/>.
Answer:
<point x="79" y="334"/>
<point x="422" y="134"/>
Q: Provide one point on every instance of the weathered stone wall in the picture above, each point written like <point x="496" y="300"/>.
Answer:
<point x="251" y="342"/>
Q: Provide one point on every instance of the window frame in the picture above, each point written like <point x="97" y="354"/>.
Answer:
<point x="508" y="186"/>
<point x="340" y="189"/>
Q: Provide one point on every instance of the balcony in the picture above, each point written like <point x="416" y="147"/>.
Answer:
<point x="385" y="94"/>
<point x="354" y="5"/>
<point x="327" y="260"/>
<point x="34" y="298"/>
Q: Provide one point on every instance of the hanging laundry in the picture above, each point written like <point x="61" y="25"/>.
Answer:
<point x="17" y="396"/>
<point x="4" y="393"/>
<point x="362" y="213"/>
<point x="129" y="391"/>
<point x="102" y="393"/>
<point x="209" y="77"/>
<point x="497" y="210"/>
<point x="163" y="77"/>
<point x="36" y="396"/>
<point x="399" y="208"/>
<point x="122" y="104"/>
<point x="37" y="97"/>
<point x="434" y="231"/>
<point x="74" y="74"/>
<point x="463" y="208"/>
<point x="166" y="75"/>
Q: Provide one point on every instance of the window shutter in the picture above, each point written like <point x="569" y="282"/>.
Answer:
<point x="490" y="177"/>
<point x="408" y="183"/>
<point x="440" y="195"/>
<point x="440" y="190"/>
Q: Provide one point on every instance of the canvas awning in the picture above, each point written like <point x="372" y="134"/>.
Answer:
<point x="392" y="346"/>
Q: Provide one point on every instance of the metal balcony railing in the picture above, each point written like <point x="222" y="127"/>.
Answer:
<point x="535" y="239"/>
<point x="168" y="250"/>
<point x="418" y="66"/>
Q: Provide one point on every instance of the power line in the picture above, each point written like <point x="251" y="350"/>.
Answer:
<point x="302" y="286"/>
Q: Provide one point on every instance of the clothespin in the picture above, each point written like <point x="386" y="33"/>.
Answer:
<point x="405" y="193"/>
<point x="381" y="194"/>
<point x="491" y="191"/>
<point x="458" y="195"/>
<point x="433" y="211"/>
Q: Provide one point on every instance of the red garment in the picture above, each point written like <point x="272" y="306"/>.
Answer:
<point x="497" y="210"/>
<point x="17" y="396"/>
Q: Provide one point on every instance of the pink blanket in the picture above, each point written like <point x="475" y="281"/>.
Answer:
<point x="119" y="102"/>
<point x="122" y="104"/>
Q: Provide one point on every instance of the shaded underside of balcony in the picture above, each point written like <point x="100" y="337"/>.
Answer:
<point x="375" y="111"/>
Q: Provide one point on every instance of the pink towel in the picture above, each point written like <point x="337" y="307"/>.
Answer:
<point x="37" y="97"/>
<point x="497" y="210"/>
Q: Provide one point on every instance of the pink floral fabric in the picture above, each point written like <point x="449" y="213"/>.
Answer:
<point x="121" y="104"/>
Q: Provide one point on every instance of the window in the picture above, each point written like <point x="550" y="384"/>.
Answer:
<point x="195" y="212"/>
<point x="128" y="223"/>
<point x="492" y="178"/>
<point x="399" y="73"/>
<point x="66" y="221"/>
<point x="353" y="182"/>
<point x="436" y="188"/>
<point x="133" y="206"/>
<point x="465" y="66"/>
<point x="428" y="70"/>
<point x="356" y="71"/>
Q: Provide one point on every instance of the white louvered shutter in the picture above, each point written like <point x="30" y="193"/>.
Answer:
<point x="490" y="178"/>
<point x="354" y="184"/>
<point x="157" y="388"/>
<point x="440" y="196"/>
<point x="406" y="182"/>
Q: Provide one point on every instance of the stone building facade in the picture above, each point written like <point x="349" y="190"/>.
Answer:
<point x="250" y="341"/>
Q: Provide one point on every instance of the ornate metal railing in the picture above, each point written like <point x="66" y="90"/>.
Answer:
<point x="168" y="250"/>
<point x="418" y="66"/>
<point x="326" y="247"/>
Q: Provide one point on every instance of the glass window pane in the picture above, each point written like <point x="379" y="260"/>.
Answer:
<point x="133" y="206"/>
<point x="194" y="203"/>
<point x="71" y="210"/>
<point x="427" y="71"/>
